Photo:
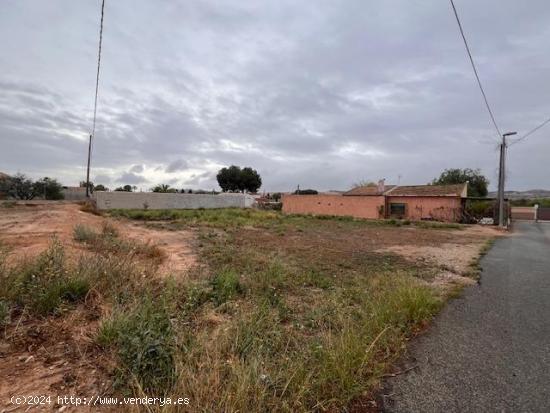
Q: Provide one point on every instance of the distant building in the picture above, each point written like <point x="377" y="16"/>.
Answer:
<point x="417" y="202"/>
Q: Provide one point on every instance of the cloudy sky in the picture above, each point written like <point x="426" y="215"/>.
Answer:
<point x="316" y="93"/>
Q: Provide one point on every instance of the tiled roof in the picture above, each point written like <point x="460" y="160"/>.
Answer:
<point x="412" y="190"/>
<point x="429" y="190"/>
<point x="366" y="190"/>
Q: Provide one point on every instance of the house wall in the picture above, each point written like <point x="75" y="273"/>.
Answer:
<point x="356" y="206"/>
<point x="448" y="209"/>
<point x="153" y="200"/>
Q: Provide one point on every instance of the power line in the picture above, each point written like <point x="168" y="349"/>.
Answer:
<point x="92" y="135"/>
<point x="98" y="66"/>
<point x="530" y="132"/>
<point x="475" y="70"/>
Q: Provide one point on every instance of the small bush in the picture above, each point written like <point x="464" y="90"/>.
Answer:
<point x="83" y="233"/>
<point x="8" y="204"/>
<point x="109" y="242"/>
<point x="195" y="297"/>
<point x="74" y="289"/>
<point x="225" y="286"/>
<point x="144" y="342"/>
<point x="109" y="230"/>
<point x="90" y="207"/>
<point x="44" y="283"/>
<point x="317" y="279"/>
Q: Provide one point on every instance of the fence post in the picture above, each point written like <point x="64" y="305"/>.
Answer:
<point x="536" y="212"/>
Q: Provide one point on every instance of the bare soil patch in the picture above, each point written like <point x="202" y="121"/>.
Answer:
<point x="57" y="355"/>
<point x="453" y="251"/>
<point x="27" y="231"/>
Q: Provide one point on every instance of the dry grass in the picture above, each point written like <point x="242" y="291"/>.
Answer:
<point x="283" y="314"/>
<point x="90" y="207"/>
<point x="108" y="241"/>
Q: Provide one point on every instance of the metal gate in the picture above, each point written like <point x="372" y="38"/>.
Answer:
<point x="543" y="214"/>
<point x="524" y="213"/>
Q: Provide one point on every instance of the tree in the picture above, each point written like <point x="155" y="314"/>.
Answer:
<point x="477" y="183"/>
<point x="163" y="188"/>
<point x="229" y="179"/>
<point x="250" y="180"/>
<point x="125" y="188"/>
<point x="19" y="186"/>
<point x="236" y="179"/>
<point x="82" y="184"/>
<point x="306" y="192"/>
<point x="5" y="185"/>
<point x="101" y="187"/>
<point x="363" y="182"/>
<point x="48" y="188"/>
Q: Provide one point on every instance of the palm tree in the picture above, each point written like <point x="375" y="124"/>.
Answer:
<point x="163" y="188"/>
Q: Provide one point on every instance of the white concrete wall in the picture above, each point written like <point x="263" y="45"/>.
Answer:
<point x="74" y="194"/>
<point x="153" y="200"/>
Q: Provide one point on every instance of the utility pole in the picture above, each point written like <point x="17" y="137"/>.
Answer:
<point x="501" y="178"/>
<point x="88" y="168"/>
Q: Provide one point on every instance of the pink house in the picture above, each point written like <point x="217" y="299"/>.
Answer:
<point x="418" y="202"/>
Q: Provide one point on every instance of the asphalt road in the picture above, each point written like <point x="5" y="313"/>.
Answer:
<point x="488" y="351"/>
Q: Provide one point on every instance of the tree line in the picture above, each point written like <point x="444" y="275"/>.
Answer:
<point x="230" y="179"/>
<point x="19" y="186"/>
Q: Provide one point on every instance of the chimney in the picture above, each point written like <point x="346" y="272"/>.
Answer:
<point x="381" y="186"/>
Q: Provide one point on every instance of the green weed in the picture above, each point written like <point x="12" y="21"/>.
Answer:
<point x="43" y="284"/>
<point x="225" y="286"/>
<point x="143" y="340"/>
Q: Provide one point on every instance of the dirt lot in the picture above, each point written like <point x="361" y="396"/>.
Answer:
<point x="53" y="355"/>
<point x="27" y="231"/>
<point x="318" y="265"/>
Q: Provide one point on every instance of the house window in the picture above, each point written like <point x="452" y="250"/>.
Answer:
<point x="397" y="210"/>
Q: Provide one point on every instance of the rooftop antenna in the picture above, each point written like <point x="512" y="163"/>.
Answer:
<point x="92" y="135"/>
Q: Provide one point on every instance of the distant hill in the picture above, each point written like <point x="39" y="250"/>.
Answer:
<point x="529" y="194"/>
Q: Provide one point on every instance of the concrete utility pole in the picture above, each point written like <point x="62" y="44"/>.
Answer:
<point x="88" y="168"/>
<point x="501" y="178"/>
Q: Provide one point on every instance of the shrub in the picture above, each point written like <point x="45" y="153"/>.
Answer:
<point x="8" y="204"/>
<point x="83" y="233"/>
<point x="225" y="286"/>
<point x="144" y="342"/>
<point x="44" y="283"/>
<point x="317" y="279"/>
<point x="109" y="242"/>
<point x="90" y="207"/>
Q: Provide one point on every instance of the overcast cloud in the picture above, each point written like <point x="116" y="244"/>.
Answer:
<point x="316" y="93"/>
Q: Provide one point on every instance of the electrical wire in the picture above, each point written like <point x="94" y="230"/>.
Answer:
<point x="530" y="132"/>
<point x="98" y="68"/>
<point x="475" y="71"/>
